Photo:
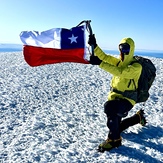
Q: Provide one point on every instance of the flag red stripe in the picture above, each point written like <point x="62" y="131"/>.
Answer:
<point x="36" y="56"/>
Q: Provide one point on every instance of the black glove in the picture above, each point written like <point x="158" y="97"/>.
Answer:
<point x="92" y="40"/>
<point x="94" y="60"/>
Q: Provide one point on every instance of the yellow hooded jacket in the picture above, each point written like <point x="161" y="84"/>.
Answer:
<point x="123" y="73"/>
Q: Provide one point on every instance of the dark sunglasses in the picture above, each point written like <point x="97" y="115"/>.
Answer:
<point x="124" y="48"/>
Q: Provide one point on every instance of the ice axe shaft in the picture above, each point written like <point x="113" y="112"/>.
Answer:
<point x="88" y="26"/>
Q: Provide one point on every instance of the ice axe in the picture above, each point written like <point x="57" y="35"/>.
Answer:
<point x="88" y="27"/>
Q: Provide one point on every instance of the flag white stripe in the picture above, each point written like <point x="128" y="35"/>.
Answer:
<point x="49" y="39"/>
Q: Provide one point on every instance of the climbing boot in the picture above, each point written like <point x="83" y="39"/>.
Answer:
<point x="109" y="144"/>
<point x="142" y="117"/>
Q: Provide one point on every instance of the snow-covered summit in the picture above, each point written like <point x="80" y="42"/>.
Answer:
<point x="54" y="113"/>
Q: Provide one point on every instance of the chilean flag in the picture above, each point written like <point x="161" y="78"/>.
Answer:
<point x="54" y="46"/>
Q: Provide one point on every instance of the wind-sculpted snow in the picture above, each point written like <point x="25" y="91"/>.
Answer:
<point x="54" y="113"/>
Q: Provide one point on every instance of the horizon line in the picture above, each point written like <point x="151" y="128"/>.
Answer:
<point x="19" y="44"/>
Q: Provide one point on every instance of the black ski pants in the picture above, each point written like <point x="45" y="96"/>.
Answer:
<point x="115" y="111"/>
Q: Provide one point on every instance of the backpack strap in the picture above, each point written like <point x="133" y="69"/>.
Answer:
<point x="128" y="94"/>
<point x="118" y="63"/>
<point x="132" y="80"/>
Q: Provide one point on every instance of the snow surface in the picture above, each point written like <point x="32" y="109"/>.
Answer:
<point x="54" y="113"/>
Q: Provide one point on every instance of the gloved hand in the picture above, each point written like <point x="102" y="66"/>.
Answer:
<point x="94" y="60"/>
<point x="92" y="40"/>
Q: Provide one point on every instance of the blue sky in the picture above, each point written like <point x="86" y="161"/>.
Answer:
<point x="112" y="20"/>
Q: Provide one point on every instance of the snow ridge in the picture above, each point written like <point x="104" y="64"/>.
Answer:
<point x="54" y="113"/>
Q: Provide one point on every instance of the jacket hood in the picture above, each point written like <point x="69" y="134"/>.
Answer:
<point x="128" y="58"/>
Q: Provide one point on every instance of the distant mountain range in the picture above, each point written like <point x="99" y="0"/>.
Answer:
<point x="7" y="45"/>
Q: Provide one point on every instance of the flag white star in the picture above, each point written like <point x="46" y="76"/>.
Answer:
<point x="73" y="38"/>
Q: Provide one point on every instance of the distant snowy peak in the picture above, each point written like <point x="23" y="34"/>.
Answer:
<point x="7" y="45"/>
